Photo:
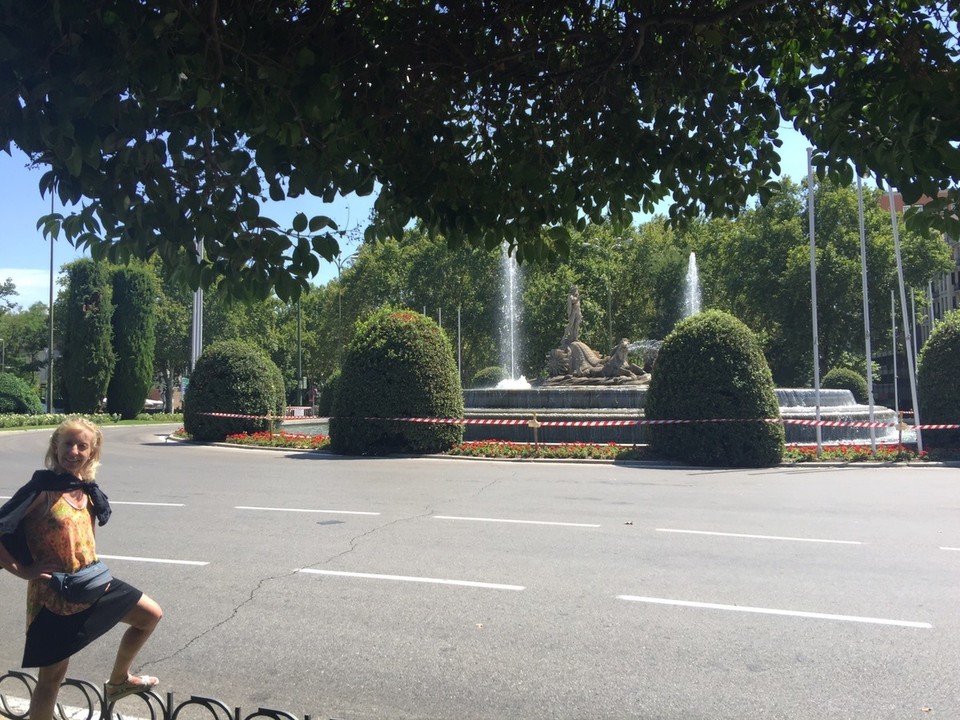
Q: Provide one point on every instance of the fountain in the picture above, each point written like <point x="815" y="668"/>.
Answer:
<point x="586" y="389"/>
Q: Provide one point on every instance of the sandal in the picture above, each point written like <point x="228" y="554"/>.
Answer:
<point x="133" y="685"/>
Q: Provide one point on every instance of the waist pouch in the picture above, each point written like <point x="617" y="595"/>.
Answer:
<point x="83" y="586"/>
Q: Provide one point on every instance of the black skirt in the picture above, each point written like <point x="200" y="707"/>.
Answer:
<point x="52" y="638"/>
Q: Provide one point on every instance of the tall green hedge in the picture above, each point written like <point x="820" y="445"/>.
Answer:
<point x="235" y="378"/>
<point x="938" y="382"/>
<point x="88" y="358"/>
<point x="399" y="364"/>
<point x="134" y="339"/>
<point x="711" y="367"/>
<point x="18" y="398"/>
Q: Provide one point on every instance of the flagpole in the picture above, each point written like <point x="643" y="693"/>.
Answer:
<point x="50" y="346"/>
<point x="196" y="348"/>
<point x="896" y="384"/>
<point x="813" y="298"/>
<point x="907" y="329"/>
<point x="866" y="313"/>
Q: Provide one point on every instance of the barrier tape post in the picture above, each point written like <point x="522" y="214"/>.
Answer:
<point x="534" y="424"/>
<point x="901" y="426"/>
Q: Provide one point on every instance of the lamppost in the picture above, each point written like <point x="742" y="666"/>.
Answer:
<point x="341" y="262"/>
<point x="3" y="355"/>
<point x="299" y="355"/>
<point x="50" y="344"/>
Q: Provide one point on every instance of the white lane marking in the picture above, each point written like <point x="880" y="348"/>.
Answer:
<point x="518" y="522"/>
<point x="957" y="549"/>
<point x="773" y="611"/>
<point x="150" y="504"/>
<point x="304" y="510"/>
<point x="760" y="537"/>
<point x="152" y="560"/>
<point x="127" y="502"/>
<point x="407" y="578"/>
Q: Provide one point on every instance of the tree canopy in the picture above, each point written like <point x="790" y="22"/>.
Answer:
<point x="169" y="123"/>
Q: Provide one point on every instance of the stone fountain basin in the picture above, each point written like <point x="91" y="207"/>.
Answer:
<point x="592" y="404"/>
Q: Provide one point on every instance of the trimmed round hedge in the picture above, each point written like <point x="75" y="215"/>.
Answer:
<point x="399" y="364"/>
<point x="232" y="377"/>
<point x="18" y="398"/>
<point x="846" y="379"/>
<point x="938" y="382"/>
<point x="711" y="367"/>
<point x="489" y="377"/>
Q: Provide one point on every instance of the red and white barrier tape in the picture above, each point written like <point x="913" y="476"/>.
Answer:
<point x="595" y="423"/>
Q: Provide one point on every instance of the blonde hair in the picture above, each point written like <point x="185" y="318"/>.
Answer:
<point x="96" y="443"/>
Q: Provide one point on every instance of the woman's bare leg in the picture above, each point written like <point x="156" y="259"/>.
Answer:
<point x="43" y="701"/>
<point x="142" y="621"/>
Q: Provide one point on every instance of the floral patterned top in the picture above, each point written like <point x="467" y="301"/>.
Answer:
<point x="63" y="535"/>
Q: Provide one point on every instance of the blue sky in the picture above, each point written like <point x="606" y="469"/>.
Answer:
<point x="25" y="253"/>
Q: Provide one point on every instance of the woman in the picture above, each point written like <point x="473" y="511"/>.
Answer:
<point x="47" y="527"/>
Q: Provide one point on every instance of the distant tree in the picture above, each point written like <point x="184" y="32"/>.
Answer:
<point x="134" y="339"/>
<point x="88" y="356"/>
<point x="7" y="290"/>
<point x="26" y="335"/>
<point x="172" y="347"/>
<point x="758" y="269"/>
<point x="424" y="273"/>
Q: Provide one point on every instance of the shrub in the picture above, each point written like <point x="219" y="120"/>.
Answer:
<point x="711" y="367"/>
<point x="938" y="382"/>
<point x="134" y="340"/>
<point x="840" y="378"/>
<point x="232" y="377"/>
<point x="489" y="377"/>
<point x="18" y="398"/>
<point x="327" y="393"/>
<point x="399" y="364"/>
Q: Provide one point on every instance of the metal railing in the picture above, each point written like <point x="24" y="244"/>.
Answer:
<point x="151" y="705"/>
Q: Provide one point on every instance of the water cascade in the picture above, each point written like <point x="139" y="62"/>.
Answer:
<point x="691" y="288"/>
<point x="510" y="319"/>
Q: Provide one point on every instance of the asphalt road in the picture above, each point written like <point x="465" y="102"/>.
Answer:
<point x="444" y="588"/>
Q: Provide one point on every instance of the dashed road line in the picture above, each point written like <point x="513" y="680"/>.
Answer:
<point x="153" y="560"/>
<point x="759" y="537"/>
<point x="408" y="578"/>
<point x="775" y="611"/>
<point x="518" y="522"/>
<point x="304" y="510"/>
<point x="148" y="504"/>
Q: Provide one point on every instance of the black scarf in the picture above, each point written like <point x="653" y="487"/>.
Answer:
<point x="11" y="513"/>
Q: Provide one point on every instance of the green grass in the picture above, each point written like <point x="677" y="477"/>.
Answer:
<point x="27" y="422"/>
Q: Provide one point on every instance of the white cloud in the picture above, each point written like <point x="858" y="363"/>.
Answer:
<point x="32" y="285"/>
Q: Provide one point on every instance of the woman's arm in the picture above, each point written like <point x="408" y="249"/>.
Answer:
<point x="12" y="565"/>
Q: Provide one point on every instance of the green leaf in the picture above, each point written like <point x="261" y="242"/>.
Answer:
<point x="318" y="222"/>
<point x="299" y="222"/>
